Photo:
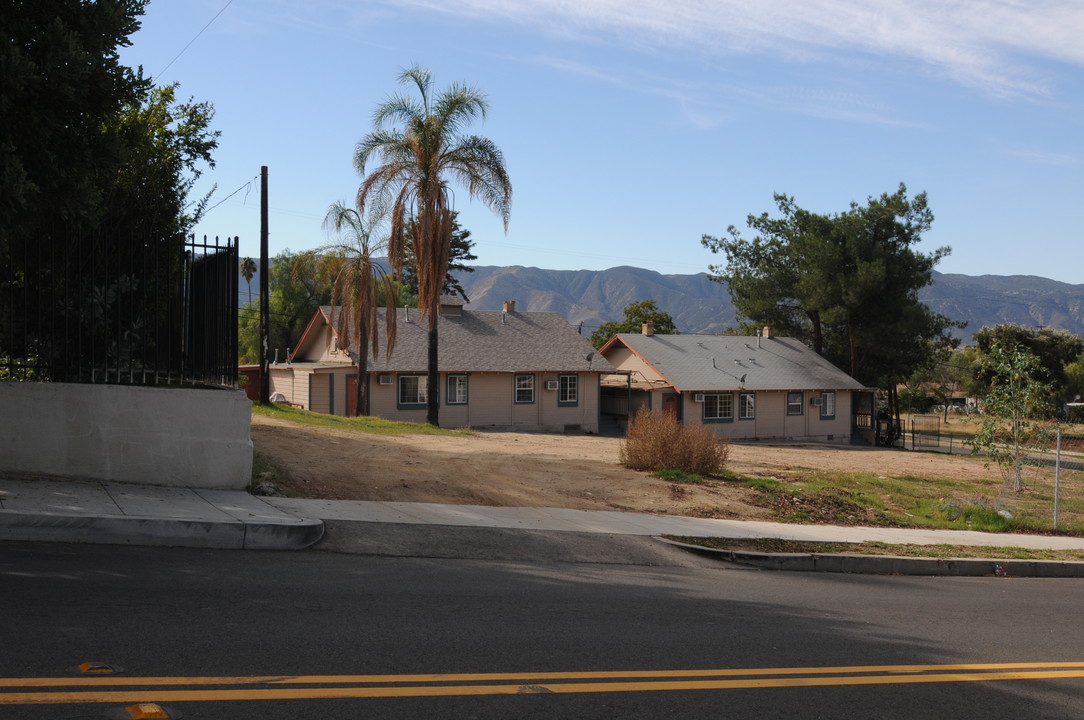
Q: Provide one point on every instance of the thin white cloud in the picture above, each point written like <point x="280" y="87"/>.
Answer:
<point x="1039" y="157"/>
<point x="994" y="45"/>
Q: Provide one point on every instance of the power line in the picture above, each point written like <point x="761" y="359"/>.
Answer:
<point x="160" y="72"/>
<point x="247" y="185"/>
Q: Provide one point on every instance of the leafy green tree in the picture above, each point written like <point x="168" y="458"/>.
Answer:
<point x="636" y="314"/>
<point x="421" y="148"/>
<point x="1054" y="350"/>
<point x="349" y="264"/>
<point x="167" y="142"/>
<point x="1018" y="394"/>
<point x="765" y="275"/>
<point x="296" y="290"/>
<point x="62" y="84"/>
<point x="91" y="156"/>
<point x="1075" y="373"/>
<point x="846" y="284"/>
<point x="458" y="258"/>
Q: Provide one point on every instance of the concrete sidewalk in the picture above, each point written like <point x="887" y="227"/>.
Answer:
<point x="116" y="513"/>
<point x="101" y="512"/>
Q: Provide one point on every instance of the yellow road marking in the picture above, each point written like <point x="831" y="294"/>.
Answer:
<point x="778" y="681"/>
<point x="496" y="677"/>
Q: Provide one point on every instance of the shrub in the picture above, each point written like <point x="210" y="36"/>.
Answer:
<point x="657" y="441"/>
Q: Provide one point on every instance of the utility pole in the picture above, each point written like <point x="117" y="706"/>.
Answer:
<point x="265" y="305"/>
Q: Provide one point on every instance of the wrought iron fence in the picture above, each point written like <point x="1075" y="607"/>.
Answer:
<point x="97" y="308"/>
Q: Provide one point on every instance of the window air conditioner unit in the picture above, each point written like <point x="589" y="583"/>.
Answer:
<point x="815" y="401"/>
<point x="698" y="397"/>
<point x="551" y="384"/>
<point x="384" y="379"/>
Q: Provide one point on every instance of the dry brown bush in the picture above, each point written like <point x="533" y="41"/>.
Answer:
<point x="657" y="441"/>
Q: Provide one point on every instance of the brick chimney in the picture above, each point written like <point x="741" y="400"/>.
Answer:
<point x="508" y="306"/>
<point x="649" y="327"/>
<point x="767" y="332"/>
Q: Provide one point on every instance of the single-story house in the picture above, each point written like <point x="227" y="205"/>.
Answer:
<point x="745" y="388"/>
<point x="498" y="369"/>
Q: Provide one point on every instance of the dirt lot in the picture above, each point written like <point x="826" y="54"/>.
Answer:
<point x="539" y="470"/>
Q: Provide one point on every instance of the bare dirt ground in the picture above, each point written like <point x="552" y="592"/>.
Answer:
<point x="541" y="470"/>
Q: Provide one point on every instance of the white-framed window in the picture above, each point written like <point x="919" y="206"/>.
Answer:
<point x="747" y="406"/>
<point x="524" y="388"/>
<point x="794" y="402"/>
<point x="828" y="405"/>
<point x="412" y="390"/>
<point x="568" y="390"/>
<point x="718" y="407"/>
<point x="458" y="386"/>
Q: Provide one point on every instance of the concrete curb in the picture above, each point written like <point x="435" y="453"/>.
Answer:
<point x="170" y="532"/>
<point x="891" y="564"/>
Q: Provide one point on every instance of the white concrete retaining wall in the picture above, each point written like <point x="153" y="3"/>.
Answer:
<point x="157" y="436"/>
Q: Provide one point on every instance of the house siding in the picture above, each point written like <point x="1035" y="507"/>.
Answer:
<point x="292" y="382"/>
<point x="491" y="396"/>
<point x="771" y="421"/>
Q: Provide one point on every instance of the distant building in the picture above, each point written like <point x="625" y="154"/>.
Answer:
<point x="498" y="369"/>
<point x="745" y="388"/>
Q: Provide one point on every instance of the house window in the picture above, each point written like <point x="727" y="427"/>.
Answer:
<point x="412" y="390"/>
<point x="718" y="408"/>
<point x="457" y="390"/>
<point x="524" y="389"/>
<point x="828" y="406"/>
<point x="568" y="390"/>
<point x="747" y="406"/>
<point x="794" y="403"/>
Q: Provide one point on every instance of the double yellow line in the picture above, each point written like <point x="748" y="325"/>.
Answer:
<point x="121" y="689"/>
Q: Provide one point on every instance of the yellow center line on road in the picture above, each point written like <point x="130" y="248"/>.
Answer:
<point x="316" y="693"/>
<point x="120" y="680"/>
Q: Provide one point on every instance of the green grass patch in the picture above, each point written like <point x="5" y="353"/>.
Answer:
<point x="777" y="545"/>
<point x="841" y="498"/>
<point x="265" y="471"/>
<point x="679" y="476"/>
<point x="365" y="424"/>
<point x="765" y="485"/>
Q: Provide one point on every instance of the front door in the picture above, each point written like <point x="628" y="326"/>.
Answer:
<point x="670" y="404"/>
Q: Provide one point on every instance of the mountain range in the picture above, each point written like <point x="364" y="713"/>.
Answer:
<point x="699" y="305"/>
<point x="588" y="298"/>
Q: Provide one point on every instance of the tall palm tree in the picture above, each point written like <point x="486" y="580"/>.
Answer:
<point x="248" y="271"/>
<point x="421" y="147"/>
<point x="348" y="262"/>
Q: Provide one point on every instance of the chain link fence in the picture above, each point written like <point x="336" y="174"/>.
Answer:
<point x="1045" y="481"/>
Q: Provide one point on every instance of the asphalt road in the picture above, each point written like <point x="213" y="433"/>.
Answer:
<point x="317" y="634"/>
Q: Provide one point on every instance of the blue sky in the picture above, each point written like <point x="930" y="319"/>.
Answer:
<point x="632" y="127"/>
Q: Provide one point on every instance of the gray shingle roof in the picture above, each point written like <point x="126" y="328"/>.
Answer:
<point x="698" y="363"/>
<point x="489" y="341"/>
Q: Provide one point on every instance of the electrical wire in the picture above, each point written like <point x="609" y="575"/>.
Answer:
<point x="168" y="65"/>
<point x="247" y="185"/>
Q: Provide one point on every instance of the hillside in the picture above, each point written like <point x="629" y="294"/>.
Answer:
<point x="699" y="305"/>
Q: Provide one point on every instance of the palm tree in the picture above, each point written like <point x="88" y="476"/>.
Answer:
<point x="248" y="270"/>
<point x="357" y="281"/>
<point x="421" y="148"/>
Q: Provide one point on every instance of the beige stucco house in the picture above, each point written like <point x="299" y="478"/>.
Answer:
<point x="745" y="388"/>
<point x="507" y="369"/>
